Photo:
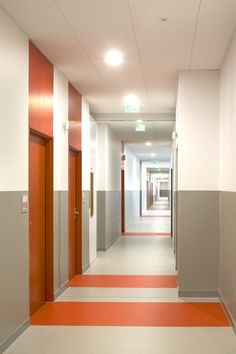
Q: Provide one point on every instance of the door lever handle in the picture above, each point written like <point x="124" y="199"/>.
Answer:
<point x="75" y="213"/>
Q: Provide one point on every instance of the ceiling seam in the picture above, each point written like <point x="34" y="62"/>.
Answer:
<point x="139" y="54"/>
<point x="194" y="34"/>
<point x="85" y="52"/>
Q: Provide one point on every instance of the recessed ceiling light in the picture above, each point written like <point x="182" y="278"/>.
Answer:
<point x="148" y="143"/>
<point x="163" y="19"/>
<point x="139" y="121"/>
<point x="153" y="154"/>
<point x="114" y="57"/>
<point x="131" y="99"/>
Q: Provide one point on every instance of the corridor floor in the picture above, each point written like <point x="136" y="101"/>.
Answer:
<point x="127" y="303"/>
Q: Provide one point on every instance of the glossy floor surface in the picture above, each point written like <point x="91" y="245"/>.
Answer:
<point x="156" y="224"/>
<point x="128" y="303"/>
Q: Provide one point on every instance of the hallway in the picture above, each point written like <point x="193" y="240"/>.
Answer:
<point x="117" y="177"/>
<point x="127" y="302"/>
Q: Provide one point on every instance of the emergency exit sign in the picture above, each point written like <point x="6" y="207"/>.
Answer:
<point x="132" y="108"/>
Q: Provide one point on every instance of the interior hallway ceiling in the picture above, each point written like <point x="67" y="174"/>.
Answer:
<point x="158" y="133"/>
<point x="157" y="37"/>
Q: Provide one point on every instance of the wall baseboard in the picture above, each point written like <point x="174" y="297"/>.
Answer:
<point x="197" y="293"/>
<point x="86" y="267"/>
<point x="6" y="344"/>
<point x="61" y="290"/>
<point x="227" y="312"/>
<point x="109" y="244"/>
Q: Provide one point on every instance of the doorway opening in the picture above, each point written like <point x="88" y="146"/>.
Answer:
<point x="40" y="220"/>
<point x="75" y="213"/>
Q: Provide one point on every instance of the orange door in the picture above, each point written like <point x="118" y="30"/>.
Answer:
<point x="37" y="214"/>
<point x="75" y="222"/>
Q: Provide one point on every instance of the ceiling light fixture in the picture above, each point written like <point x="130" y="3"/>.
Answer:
<point x="114" y="57"/>
<point x="148" y="143"/>
<point x="163" y="19"/>
<point x="153" y="154"/>
<point x="139" y="121"/>
<point x="132" y="104"/>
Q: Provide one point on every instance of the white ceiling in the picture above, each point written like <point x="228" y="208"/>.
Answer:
<point x="159" y="133"/>
<point x="75" y="34"/>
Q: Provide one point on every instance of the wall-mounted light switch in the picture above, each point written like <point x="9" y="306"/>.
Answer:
<point x="24" y="204"/>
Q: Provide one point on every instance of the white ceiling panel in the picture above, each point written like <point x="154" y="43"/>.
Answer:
<point x="75" y="34"/>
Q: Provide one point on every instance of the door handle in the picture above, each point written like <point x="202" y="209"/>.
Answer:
<point x="75" y="213"/>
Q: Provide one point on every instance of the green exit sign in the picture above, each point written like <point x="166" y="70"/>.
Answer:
<point x="132" y="108"/>
<point x="140" y="127"/>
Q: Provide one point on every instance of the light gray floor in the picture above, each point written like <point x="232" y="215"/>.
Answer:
<point x="129" y="255"/>
<point x="137" y="255"/>
<point x="151" y="224"/>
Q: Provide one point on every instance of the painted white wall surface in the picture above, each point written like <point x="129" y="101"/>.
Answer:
<point x="108" y="161"/>
<point x="14" y="106"/>
<point x="93" y="168"/>
<point x="85" y="146"/>
<point x="197" y="129"/>
<point x="101" y="158"/>
<point x="132" y="187"/>
<point x="227" y="124"/>
<point x="132" y="170"/>
<point x="60" y="117"/>
<point x="113" y="161"/>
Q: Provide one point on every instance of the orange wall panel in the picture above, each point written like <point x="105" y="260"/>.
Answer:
<point x="40" y="92"/>
<point x="75" y="106"/>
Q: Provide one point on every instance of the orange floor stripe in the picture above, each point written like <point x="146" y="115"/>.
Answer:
<point x="124" y="281"/>
<point x="130" y="314"/>
<point x="146" y="234"/>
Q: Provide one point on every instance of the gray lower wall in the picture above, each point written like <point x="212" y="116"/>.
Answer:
<point x="227" y="278"/>
<point x="14" y="267"/>
<point x="60" y="241"/>
<point x="132" y="207"/>
<point x="108" y="218"/>
<point x="198" y="242"/>
<point x="85" y="230"/>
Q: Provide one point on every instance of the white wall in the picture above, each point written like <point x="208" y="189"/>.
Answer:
<point x="132" y="187"/>
<point x="93" y="168"/>
<point x="89" y="155"/>
<point x="60" y="116"/>
<point x="14" y="226"/>
<point x="85" y="146"/>
<point x="101" y="148"/>
<point x="109" y="166"/>
<point x="227" y="145"/>
<point x="197" y="129"/>
<point x="132" y="170"/>
<point x="60" y="175"/>
<point x="14" y="106"/>
<point x="113" y="162"/>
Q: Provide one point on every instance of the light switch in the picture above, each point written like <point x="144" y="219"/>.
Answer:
<point x="24" y="204"/>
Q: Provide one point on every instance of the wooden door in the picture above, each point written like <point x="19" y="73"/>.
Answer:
<point x="75" y="214"/>
<point x="37" y="214"/>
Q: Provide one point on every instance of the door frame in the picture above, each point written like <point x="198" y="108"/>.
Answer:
<point x="78" y="250"/>
<point x="49" y="281"/>
<point x="122" y="201"/>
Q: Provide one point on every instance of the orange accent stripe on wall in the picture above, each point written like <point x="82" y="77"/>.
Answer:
<point x="131" y="314"/>
<point x="124" y="281"/>
<point x="146" y="234"/>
